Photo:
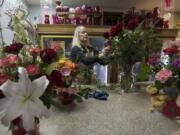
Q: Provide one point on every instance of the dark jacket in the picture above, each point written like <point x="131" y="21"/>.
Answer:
<point x="78" y="54"/>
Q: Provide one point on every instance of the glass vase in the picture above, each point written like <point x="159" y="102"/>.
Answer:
<point x="18" y="129"/>
<point x="126" y="80"/>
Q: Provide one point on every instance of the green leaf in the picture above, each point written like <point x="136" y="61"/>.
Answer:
<point x="144" y="73"/>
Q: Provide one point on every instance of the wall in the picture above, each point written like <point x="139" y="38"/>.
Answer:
<point x="177" y="18"/>
<point x="35" y="12"/>
<point x="5" y="19"/>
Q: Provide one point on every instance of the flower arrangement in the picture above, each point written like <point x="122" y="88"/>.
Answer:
<point x="133" y="40"/>
<point x="165" y="91"/>
<point x="32" y="79"/>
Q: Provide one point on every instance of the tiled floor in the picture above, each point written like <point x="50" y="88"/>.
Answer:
<point x="125" y="114"/>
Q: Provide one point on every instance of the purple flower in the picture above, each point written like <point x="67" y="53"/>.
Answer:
<point x="153" y="59"/>
<point x="176" y="63"/>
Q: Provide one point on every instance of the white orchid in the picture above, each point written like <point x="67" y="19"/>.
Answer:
<point x="22" y="99"/>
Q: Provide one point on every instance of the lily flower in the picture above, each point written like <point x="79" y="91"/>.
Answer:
<point x="22" y="99"/>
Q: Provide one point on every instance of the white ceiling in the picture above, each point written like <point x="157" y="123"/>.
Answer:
<point x="112" y="4"/>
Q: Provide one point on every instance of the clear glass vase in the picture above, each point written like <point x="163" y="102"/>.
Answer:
<point x="126" y="80"/>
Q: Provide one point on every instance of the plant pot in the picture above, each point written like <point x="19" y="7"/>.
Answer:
<point x="18" y="129"/>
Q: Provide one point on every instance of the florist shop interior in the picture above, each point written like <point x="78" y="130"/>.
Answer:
<point x="83" y="67"/>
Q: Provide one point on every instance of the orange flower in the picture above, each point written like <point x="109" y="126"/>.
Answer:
<point x="70" y="64"/>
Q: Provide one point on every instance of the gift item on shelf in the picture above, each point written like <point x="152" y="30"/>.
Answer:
<point x="79" y="15"/>
<point x="46" y="19"/>
<point x="58" y="2"/>
<point x="46" y="11"/>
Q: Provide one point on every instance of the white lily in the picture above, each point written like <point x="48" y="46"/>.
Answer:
<point x="22" y="99"/>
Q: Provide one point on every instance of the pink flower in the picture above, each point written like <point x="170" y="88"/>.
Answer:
<point x="34" y="51"/>
<point x="4" y="78"/>
<point x="10" y="61"/>
<point x="65" y="71"/>
<point x="163" y="75"/>
<point x="32" y="69"/>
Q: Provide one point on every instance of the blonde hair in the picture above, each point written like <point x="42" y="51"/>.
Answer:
<point x="76" y="41"/>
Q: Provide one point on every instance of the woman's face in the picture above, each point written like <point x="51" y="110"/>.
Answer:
<point x="83" y="36"/>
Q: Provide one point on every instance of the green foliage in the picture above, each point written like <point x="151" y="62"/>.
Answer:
<point x="144" y="73"/>
<point x="132" y="46"/>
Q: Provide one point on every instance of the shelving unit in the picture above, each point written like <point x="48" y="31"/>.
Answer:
<point x="94" y="18"/>
<point x="83" y="18"/>
<point x="112" y="18"/>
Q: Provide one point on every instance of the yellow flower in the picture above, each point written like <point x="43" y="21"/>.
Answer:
<point x="151" y="89"/>
<point x="158" y="103"/>
<point x="62" y="61"/>
<point x="162" y="97"/>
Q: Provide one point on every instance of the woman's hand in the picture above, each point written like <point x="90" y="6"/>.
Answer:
<point x="106" y="50"/>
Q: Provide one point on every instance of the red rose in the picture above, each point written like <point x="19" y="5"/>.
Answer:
<point x="113" y="31"/>
<point x="34" y="51"/>
<point x="13" y="48"/>
<point x="32" y="69"/>
<point x="132" y="24"/>
<point x="106" y="35"/>
<point x="171" y="109"/>
<point x="119" y="26"/>
<point x="56" y="79"/>
<point x="48" y="55"/>
<point x="172" y="50"/>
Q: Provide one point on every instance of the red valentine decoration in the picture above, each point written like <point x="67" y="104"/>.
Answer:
<point x="46" y="20"/>
<point x="168" y="4"/>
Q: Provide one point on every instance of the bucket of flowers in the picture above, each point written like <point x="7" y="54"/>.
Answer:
<point x="165" y="92"/>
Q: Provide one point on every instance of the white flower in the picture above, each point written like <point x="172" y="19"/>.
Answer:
<point x="22" y="99"/>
